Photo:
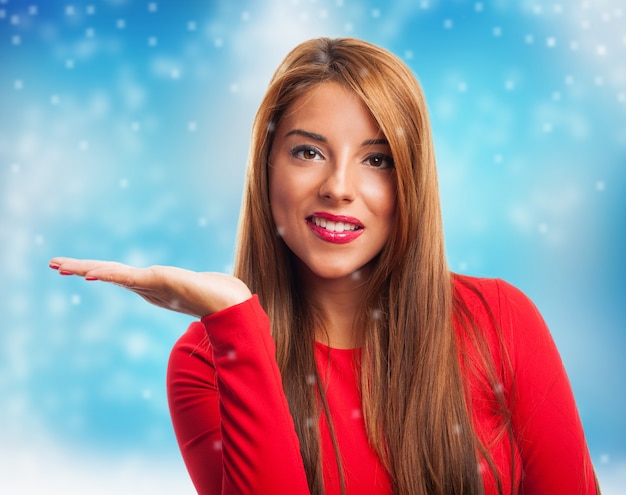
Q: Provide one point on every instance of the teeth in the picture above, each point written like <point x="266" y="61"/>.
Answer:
<point x="333" y="226"/>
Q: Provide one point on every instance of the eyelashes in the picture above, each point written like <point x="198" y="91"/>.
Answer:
<point x="380" y="160"/>
<point x="308" y="153"/>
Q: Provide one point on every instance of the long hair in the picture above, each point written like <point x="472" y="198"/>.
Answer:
<point x="414" y="402"/>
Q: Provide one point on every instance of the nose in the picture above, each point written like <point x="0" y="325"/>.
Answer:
<point x="338" y="184"/>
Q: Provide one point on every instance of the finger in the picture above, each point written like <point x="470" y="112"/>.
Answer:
<point x="116" y="273"/>
<point x="71" y="266"/>
<point x="136" y="279"/>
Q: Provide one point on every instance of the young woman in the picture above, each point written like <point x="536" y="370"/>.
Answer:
<point x="343" y="356"/>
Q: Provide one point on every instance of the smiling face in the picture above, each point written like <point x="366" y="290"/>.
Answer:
<point x="331" y="183"/>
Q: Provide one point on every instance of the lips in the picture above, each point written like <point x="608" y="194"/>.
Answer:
<point x="339" y="229"/>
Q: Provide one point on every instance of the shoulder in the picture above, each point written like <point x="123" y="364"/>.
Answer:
<point x="504" y="314"/>
<point x="493" y="295"/>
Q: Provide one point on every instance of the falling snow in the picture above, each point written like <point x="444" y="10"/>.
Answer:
<point x="124" y="129"/>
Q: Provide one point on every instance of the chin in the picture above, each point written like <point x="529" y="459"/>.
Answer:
<point x="336" y="272"/>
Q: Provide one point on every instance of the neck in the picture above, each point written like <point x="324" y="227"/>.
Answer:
<point x="338" y="301"/>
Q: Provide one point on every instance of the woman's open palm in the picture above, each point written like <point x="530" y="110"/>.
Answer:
<point x="184" y="291"/>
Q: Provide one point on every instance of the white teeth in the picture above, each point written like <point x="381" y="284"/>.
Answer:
<point x="333" y="226"/>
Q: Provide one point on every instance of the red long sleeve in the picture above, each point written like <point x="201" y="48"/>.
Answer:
<point x="236" y="434"/>
<point x="228" y="408"/>
<point x="547" y="426"/>
<point x="550" y="454"/>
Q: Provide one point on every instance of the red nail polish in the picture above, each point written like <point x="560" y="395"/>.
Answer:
<point x="91" y="278"/>
<point x="65" y="272"/>
<point x="54" y="266"/>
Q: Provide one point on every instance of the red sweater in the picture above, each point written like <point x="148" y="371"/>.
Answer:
<point x="236" y="434"/>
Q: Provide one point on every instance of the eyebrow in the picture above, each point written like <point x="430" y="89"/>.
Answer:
<point x="322" y="139"/>
<point x="312" y="135"/>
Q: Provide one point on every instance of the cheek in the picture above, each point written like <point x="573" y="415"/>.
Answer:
<point x="281" y="193"/>
<point x="274" y="193"/>
<point x="381" y="196"/>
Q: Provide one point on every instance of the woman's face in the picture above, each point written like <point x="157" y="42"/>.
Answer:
<point x="331" y="182"/>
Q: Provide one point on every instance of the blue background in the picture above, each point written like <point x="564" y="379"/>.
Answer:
<point x="124" y="130"/>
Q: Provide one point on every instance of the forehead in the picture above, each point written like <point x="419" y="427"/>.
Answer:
<point x="329" y="106"/>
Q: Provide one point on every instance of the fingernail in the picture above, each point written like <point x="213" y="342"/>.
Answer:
<point x="64" y="272"/>
<point x="54" y="266"/>
<point x="91" y="278"/>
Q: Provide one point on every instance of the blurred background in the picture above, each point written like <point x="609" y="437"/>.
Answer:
<point x="124" y="129"/>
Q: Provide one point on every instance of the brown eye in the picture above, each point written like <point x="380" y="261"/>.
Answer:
<point x="379" y="161"/>
<point x="307" y="153"/>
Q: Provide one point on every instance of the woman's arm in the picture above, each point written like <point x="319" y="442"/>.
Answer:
<point x="545" y="419"/>
<point x="225" y="391"/>
<point x="228" y="407"/>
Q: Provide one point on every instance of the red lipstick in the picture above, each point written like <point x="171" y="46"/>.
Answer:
<point x="338" y="229"/>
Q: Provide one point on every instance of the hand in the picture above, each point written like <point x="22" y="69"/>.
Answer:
<point x="176" y="289"/>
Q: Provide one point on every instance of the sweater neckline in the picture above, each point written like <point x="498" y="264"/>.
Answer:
<point x="326" y="348"/>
